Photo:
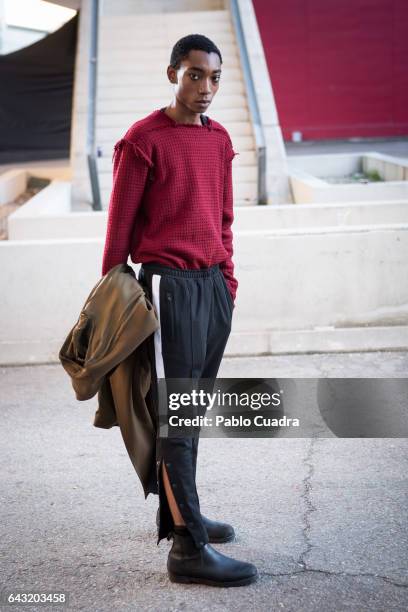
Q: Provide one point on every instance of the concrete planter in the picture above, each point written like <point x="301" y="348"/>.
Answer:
<point x="307" y="175"/>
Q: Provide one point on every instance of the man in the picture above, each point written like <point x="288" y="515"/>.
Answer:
<point x="171" y="208"/>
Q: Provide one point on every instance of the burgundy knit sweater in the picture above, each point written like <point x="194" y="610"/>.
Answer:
<point x="172" y="198"/>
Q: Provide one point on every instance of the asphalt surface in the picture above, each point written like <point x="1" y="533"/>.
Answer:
<point x="324" y="519"/>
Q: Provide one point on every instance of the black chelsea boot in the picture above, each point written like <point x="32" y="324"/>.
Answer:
<point x="218" y="532"/>
<point x="186" y="563"/>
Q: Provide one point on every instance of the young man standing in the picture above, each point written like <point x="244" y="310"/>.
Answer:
<point x="171" y="208"/>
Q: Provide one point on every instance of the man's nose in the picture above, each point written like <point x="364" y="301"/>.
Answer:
<point x="205" y="88"/>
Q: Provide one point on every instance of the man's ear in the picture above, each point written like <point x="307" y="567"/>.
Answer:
<point x="171" y="74"/>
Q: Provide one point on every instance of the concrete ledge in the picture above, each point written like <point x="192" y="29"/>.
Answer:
<point x="64" y="226"/>
<point x="47" y="215"/>
<point x="246" y="344"/>
<point x="309" y="216"/>
<point x="389" y="167"/>
<point x="320" y="289"/>
<point x="318" y="340"/>
<point x="309" y="190"/>
<point x="53" y="199"/>
<point x="12" y="184"/>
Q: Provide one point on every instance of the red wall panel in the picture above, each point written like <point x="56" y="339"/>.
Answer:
<point x="339" y="68"/>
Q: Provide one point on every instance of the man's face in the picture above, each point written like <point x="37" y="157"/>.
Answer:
<point x="196" y="79"/>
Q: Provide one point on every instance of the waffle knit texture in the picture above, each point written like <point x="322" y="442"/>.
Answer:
<point x="172" y="196"/>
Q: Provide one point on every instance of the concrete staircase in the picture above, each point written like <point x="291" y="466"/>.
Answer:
<point x="134" y="51"/>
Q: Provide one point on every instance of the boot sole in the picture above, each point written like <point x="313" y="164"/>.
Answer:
<point x="222" y="540"/>
<point x="197" y="580"/>
<point x="214" y="541"/>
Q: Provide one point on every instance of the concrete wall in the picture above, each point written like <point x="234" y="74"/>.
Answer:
<point x="338" y="68"/>
<point x="307" y="289"/>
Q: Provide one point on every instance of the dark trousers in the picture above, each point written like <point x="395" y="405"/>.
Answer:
<point x="195" y="309"/>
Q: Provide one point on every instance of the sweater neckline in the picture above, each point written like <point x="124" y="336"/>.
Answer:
<point x="205" y="121"/>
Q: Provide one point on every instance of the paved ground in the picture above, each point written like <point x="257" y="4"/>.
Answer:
<point x="324" y="519"/>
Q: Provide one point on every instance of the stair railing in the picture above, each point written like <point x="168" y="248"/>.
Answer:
<point x="260" y="142"/>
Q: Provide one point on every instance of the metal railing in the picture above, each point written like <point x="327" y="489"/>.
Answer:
<point x="260" y="142"/>
<point x="90" y="146"/>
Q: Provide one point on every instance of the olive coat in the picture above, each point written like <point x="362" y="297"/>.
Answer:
<point x="105" y="353"/>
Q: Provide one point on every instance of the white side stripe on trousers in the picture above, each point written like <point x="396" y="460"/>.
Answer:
<point x="157" y="334"/>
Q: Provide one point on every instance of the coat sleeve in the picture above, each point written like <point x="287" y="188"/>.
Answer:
<point x="227" y="266"/>
<point x="131" y="164"/>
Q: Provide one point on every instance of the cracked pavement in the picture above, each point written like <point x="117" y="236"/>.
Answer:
<point x="324" y="519"/>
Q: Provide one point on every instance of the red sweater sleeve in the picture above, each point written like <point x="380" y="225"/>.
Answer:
<point x="130" y="172"/>
<point x="227" y="266"/>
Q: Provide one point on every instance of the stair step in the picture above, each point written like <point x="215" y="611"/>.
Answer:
<point x="144" y="52"/>
<point x="122" y="121"/>
<point x="236" y="130"/>
<point x="158" y="90"/>
<point x="163" y="38"/>
<point x="120" y="106"/>
<point x="132" y="82"/>
<point x="245" y="174"/>
<point x="244" y="159"/>
<point x="166" y="19"/>
<point x="132" y="74"/>
<point x="145" y="64"/>
<point x="242" y="191"/>
<point x="240" y="144"/>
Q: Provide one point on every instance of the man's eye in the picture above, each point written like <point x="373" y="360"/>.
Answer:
<point x="216" y="79"/>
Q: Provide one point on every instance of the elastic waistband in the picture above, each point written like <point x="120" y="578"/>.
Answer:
<point x="198" y="273"/>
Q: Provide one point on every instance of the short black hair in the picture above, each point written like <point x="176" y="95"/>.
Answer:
<point x="192" y="41"/>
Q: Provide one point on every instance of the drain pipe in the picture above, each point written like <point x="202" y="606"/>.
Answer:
<point x="91" y="156"/>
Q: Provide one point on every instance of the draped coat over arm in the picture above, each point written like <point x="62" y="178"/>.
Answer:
<point x="105" y="353"/>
